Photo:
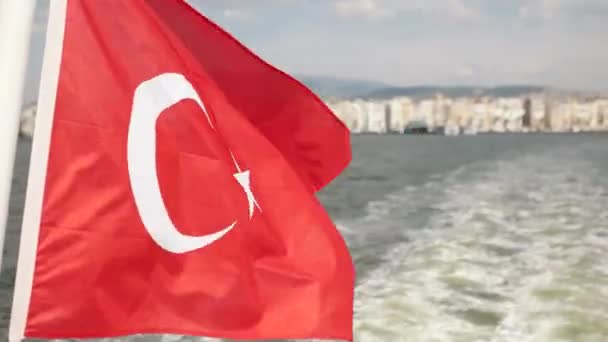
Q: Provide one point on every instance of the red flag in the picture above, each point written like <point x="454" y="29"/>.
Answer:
<point x="179" y="191"/>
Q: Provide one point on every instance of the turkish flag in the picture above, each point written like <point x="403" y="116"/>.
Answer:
<point x="179" y="194"/>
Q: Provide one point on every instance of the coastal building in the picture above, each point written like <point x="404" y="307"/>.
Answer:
<point x="407" y="110"/>
<point x="561" y="117"/>
<point x="376" y="113"/>
<point x="602" y="109"/>
<point x="361" y="112"/>
<point x="584" y="116"/>
<point x="441" y="111"/>
<point x="400" y="113"/>
<point x="486" y="110"/>
<point x="511" y="110"/>
<point x="471" y="115"/>
<point x="527" y="118"/>
<point x="460" y="115"/>
<point x="396" y="122"/>
<point x="344" y="111"/>
<point x="480" y="116"/>
<point x="538" y="113"/>
<point x="423" y="112"/>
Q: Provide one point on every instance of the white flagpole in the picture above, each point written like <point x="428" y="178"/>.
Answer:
<point x="38" y="164"/>
<point x="15" y="32"/>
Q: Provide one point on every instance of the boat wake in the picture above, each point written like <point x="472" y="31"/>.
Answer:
<point x="512" y="250"/>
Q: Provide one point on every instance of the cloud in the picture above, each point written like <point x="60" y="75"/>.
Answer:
<point x="237" y="14"/>
<point x="549" y="10"/>
<point x="465" y="71"/>
<point x="363" y="8"/>
<point x="374" y="9"/>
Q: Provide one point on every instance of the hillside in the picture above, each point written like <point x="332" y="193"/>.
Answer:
<point x="341" y="88"/>
<point x="455" y="91"/>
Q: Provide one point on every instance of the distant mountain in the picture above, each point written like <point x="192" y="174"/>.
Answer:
<point x="335" y="87"/>
<point x="423" y="91"/>
<point x="455" y="91"/>
<point x="343" y="88"/>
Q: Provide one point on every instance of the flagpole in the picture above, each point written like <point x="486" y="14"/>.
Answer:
<point x="15" y="30"/>
<point x="32" y="211"/>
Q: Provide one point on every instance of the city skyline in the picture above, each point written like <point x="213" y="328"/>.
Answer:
<point x="555" y="43"/>
<point x="471" y="115"/>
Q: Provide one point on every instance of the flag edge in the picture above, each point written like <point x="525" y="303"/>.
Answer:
<point x="314" y="96"/>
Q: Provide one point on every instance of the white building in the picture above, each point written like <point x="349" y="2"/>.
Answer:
<point x="344" y="111"/>
<point x="602" y="113"/>
<point x="512" y="112"/>
<point x="480" y="117"/>
<point x="423" y="112"/>
<point x="400" y="111"/>
<point x="360" y="113"/>
<point x="538" y="113"/>
<point x="584" y="116"/>
<point x="441" y="111"/>
<point x="376" y="113"/>
<point x="561" y="117"/>
<point x="354" y="114"/>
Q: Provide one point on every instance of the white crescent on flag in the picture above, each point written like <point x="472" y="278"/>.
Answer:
<point x="151" y="98"/>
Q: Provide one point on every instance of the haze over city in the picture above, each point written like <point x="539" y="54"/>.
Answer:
<point x="556" y="43"/>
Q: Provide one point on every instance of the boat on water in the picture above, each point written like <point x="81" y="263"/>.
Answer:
<point x="416" y="127"/>
<point x="452" y="130"/>
<point x="470" y="131"/>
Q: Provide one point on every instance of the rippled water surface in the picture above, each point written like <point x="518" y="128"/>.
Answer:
<point x="486" y="238"/>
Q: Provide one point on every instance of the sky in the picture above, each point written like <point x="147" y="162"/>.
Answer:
<point x="560" y="43"/>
